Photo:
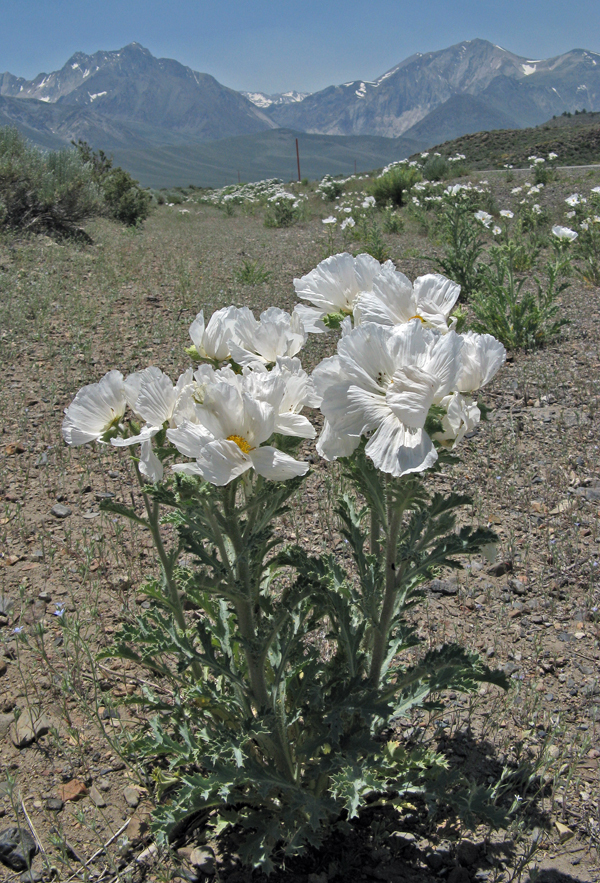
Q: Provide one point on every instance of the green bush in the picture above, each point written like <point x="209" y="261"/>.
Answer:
<point x="394" y="185"/>
<point x="124" y="199"/>
<point x="521" y="320"/>
<point x="437" y="168"/>
<point x="52" y="192"/>
<point x="281" y="213"/>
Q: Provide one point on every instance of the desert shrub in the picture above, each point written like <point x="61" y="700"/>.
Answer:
<point x="52" y="192"/>
<point x="330" y="189"/>
<point x="587" y="250"/>
<point x="392" y="222"/>
<point x="394" y="185"/>
<point x="281" y="213"/>
<point x="124" y="199"/>
<point x="437" y="168"/>
<point x="520" y="319"/>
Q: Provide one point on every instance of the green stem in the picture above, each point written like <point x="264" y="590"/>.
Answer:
<point x="374" y="534"/>
<point x="153" y="512"/>
<point x="244" y="607"/>
<point x="381" y="632"/>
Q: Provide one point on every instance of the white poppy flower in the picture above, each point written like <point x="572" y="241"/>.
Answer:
<point x="564" y="233"/>
<point x="212" y="340"/>
<point x="348" y="222"/>
<point x="288" y="388"/>
<point x="394" y="300"/>
<point x="334" y="285"/>
<point x="329" y="220"/>
<point x="484" y="217"/>
<point x="462" y="415"/>
<point x="573" y="200"/>
<point x="506" y="213"/>
<point x="496" y="230"/>
<point x="229" y="438"/>
<point x="158" y="402"/>
<point x="276" y="334"/>
<point x="95" y="409"/>
<point x="481" y="357"/>
<point x="383" y="381"/>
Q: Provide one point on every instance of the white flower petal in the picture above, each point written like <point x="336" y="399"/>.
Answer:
<point x="150" y="465"/>
<point x="94" y="410"/>
<point x="481" y="357"/>
<point x="222" y="460"/>
<point x="398" y="451"/>
<point x="275" y="465"/>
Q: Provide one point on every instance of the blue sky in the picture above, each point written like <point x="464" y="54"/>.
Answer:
<point x="275" y="45"/>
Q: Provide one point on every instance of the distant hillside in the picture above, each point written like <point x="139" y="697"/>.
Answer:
<point x="575" y="139"/>
<point x="264" y="155"/>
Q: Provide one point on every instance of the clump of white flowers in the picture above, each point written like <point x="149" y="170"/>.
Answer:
<point x="399" y="361"/>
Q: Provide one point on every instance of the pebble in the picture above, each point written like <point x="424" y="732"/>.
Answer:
<point x="131" y="795"/>
<point x="73" y="790"/>
<point x="443" y="587"/>
<point x="54" y="804"/>
<point x="467" y="853"/>
<point x="28" y="728"/>
<point x="17" y="848"/>
<point x="203" y="860"/>
<point x="96" y="797"/>
<point x="60" y="511"/>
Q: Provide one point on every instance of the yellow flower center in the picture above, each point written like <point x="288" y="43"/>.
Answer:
<point x="420" y="318"/>
<point x="244" y="446"/>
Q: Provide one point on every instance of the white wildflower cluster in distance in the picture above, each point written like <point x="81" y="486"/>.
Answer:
<point x="399" y="356"/>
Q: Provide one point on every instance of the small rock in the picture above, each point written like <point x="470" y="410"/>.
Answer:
<point x="102" y="784"/>
<point x="54" y="804"/>
<point x="564" y="833"/>
<point x="435" y="860"/>
<point x="501" y="568"/>
<point x="96" y="797"/>
<point x="131" y="795"/>
<point x="459" y="875"/>
<point x="31" y="876"/>
<point x="3" y="667"/>
<point x="443" y="587"/>
<point x="17" y="848"/>
<point x="203" y="860"/>
<point x="60" y="511"/>
<point x="592" y="494"/>
<point x="73" y="790"/>
<point x="467" y="853"/>
<point x="6" y="605"/>
<point x="28" y="728"/>
<point x="5" y="723"/>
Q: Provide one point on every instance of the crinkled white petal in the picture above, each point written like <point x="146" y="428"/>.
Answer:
<point x="411" y="394"/>
<point x="398" y="451"/>
<point x="332" y="445"/>
<point x="335" y="283"/>
<point x="150" y="465"/>
<point x="275" y="465"/>
<point x="94" y="409"/>
<point x="222" y="460"/>
<point x="146" y="433"/>
<point x="481" y="358"/>
<point x="189" y="438"/>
